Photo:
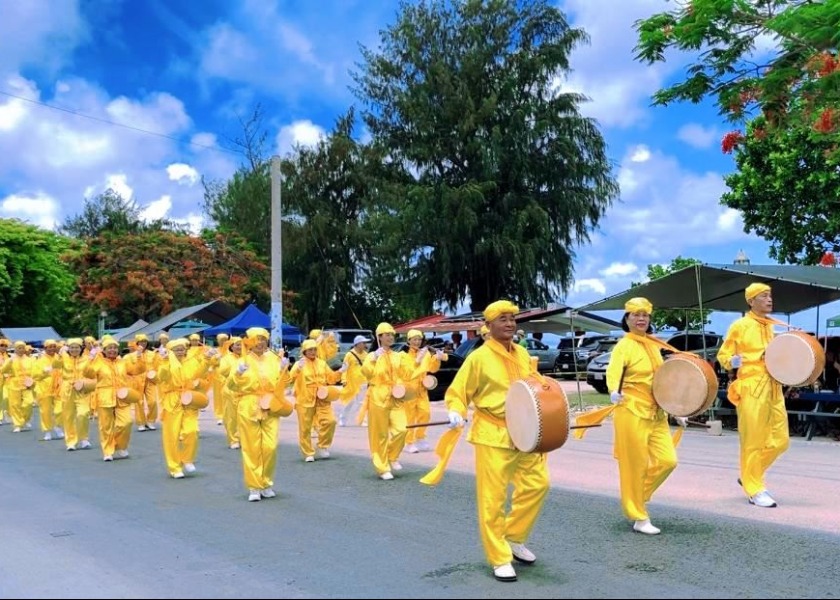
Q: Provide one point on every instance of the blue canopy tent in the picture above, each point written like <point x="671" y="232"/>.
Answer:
<point x="254" y="317"/>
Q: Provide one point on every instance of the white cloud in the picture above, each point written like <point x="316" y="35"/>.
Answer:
<point x="303" y="132"/>
<point x="158" y="209"/>
<point x="640" y="154"/>
<point x="620" y="269"/>
<point x="593" y="285"/>
<point x="182" y="173"/>
<point x="38" y="209"/>
<point x="697" y="136"/>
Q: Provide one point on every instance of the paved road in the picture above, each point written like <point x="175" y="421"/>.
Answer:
<point x="75" y="527"/>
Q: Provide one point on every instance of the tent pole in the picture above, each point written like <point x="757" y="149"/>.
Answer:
<point x="700" y="304"/>
<point x="574" y="358"/>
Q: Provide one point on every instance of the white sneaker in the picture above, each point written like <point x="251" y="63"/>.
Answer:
<point x="178" y="475"/>
<point x="235" y="446"/>
<point x="322" y="453"/>
<point x="16" y="430"/>
<point x="504" y="572"/>
<point x="58" y="433"/>
<point x="412" y="449"/>
<point x="763" y="499"/>
<point x="84" y="445"/>
<point x="268" y="493"/>
<point x="396" y="466"/>
<point x="254" y="496"/>
<point x="220" y="422"/>
<point x="189" y="468"/>
<point x="522" y="554"/>
<point x="309" y="459"/>
<point x="107" y="458"/>
<point x="47" y="437"/>
<point x="150" y="427"/>
<point x="645" y="527"/>
<point x="341" y="422"/>
<point x="71" y="447"/>
<point x="423" y="446"/>
<point x="386" y="476"/>
<point x="121" y="454"/>
<point x="142" y="428"/>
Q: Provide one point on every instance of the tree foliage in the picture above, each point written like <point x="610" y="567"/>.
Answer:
<point x="798" y="81"/>
<point x="787" y="186"/>
<point x="675" y="319"/>
<point x="509" y="177"/>
<point x="35" y="284"/>
<point x="147" y="275"/>
<point x="110" y="212"/>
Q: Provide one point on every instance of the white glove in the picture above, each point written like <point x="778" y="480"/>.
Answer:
<point x="616" y="397"/>
<point x="48" y="369"/>
<point x="162" y="351"/>
<point x="439" y="354"/>
<point x="284" y="362"/>
<point x="420" y="355"/>
<point x="455" y="419"/>
<point x="735" y="361"/>
<point x="379" y="352"/>
<point x="319" y="339"/>
<point x="681" y="421"/>
<point x="343" y="368"/>
<point x="210" y="353"/>
<point x="242" y="368"/>
<point x="93" y="352"/>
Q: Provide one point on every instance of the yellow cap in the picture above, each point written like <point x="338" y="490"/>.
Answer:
<point x="412" y="333"/>
<point x="75" y="342"/>
<point x="385" y="328"/>
<point x="141" y="337"/>
<point x="177" y="342"/>
<point x="308" y="345"/>
<point x="109" y="340"/>
<point x="89" y="339"/>
<point x="314" y="334"/>
<point x="222" y="336"/>
<point x="50" y="343"/>
<point x="499" y="308"/>
<point x="754" y="289"/>
<point x="253" y="332"/>
<point x="634" y="305"/>
<point x="195" y="337"/>
<point x="163" y="335"/>
<point x="4" y="342"/>
<point x="19" y="343"/>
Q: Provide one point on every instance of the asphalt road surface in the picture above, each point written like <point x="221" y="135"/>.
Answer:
<point x="75" y="527"/>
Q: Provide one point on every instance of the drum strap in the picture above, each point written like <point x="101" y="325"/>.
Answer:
<point x="490" y="417"/>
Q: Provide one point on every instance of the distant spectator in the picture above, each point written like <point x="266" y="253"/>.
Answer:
<point x="537" y="335"/>
<point x="519" y="338"/>
<point x="456" y="339"/>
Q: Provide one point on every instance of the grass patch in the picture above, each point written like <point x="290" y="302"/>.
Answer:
<point x="588" y="398"/>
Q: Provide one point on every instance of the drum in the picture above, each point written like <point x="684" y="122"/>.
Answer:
<point x="84" y="386"/>
<point x="194" y="399"/>
<point x="685" y="385"/>
<point x="151" y="374"/>
<point x="128" y="395"/>
<point x="329" y="393"/>
<point x="794" y="358"/>
<point x="430" y="382"/>
<point x="277" y="406"/>
<point x="398" y="391"/>
<point x="28" y="382"/>
<point x="537" y="414"/>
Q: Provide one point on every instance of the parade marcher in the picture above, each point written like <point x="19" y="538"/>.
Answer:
<point x="418" y="409"/>
<point x="260" y="372"/>
<point x="22" y="372"/>
<point x="231" y="356"/>
<point x="143" y="361"/>
<point x="355" y="384"/>
<point x="4" y="401"/>
<point x="760" y="405"/>
<point x="385" y="369"/>
<point x="75" y="403"/>
<point x="48" y="392"/>
<point x="483" y="382"/>
<point x="309" y="374"/>
<point x="217" y="382"/>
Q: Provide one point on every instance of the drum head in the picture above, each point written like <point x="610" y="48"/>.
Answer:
<point x="522" y="416"/>
<point x="685" y="385"/>
<point x="794" y="358"/>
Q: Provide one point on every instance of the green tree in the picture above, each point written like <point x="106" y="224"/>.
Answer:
<point x="787" y="187"/>
<point x="797" y="82"/>
<point x="35" y="284"/>
<point x="677" y="319"/>
<point x="508" y="176"/>
<point x="110" y="212"/>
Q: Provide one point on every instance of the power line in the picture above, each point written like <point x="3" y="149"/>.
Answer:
<point x="115" y="124"/>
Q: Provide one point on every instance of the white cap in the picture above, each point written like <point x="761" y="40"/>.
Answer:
<point x="359" y="339"/>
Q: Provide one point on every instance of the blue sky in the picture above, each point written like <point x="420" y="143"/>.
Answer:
<point x="188" y="70"/>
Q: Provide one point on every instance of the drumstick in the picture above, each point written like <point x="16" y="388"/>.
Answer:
<point x="433" y="423"/>
<point x="621" y="381"/>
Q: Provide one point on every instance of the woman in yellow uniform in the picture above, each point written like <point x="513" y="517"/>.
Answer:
<point x="217" y="382"/>
<point x="259" y="372"/>
<point x="385" y="369"/>
<point x="21" y="372"/>
<point x="48" y="392"/>
<point x="643" y="444"/>
<point x="231" y="355"/>
<point x="355" y="384"/>
<point x="75" y="403"/>
<point x="418" y="409"/>
<point x="177" y="374"/>
<point x="308" y="374"/>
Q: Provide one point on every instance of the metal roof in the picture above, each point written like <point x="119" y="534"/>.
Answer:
<point x="721" y="287"/>
<point x="30" y="335"/>
<point x="212" y="313"/>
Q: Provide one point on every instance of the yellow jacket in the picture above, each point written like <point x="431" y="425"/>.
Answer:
<point x="483" y="381"/>
<point x="263" y="376"/>
<point x="308" y="376"/>
<point x="72" y="369"/>
<point x="110" y="376"/>
<point x="390" y="369"/>
<point x="639" y="361"/>
<point x="428" y="364"/>
<point x="18" y="368"/>
<point x="353" y="378"/>
<point x="50" y="385"/>
<point x="748" y="338"/>
<point x="176" y="377"/>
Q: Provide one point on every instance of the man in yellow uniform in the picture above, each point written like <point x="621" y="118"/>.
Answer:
<point x="483" y="381"/>
<point x="758" y="399"/>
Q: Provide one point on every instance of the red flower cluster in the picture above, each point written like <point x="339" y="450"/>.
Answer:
<point x="730" y="141"/>
<point x="825" y="124"/>
<point x="828" y="259"/>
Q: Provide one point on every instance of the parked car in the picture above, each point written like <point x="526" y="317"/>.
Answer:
<point x="571" y="361"/>
<point x="547" y="355"/>
<point x="345" y="338"/>
<point x="691" y="341"/>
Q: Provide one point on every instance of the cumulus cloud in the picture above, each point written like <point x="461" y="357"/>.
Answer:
<point x="698" y="136"/>
<point x="158" y="209"/>
<point x="590" y="285"/>
<point x="38" y="209"/>
<point x="182" y="173"/>
<point x="619" y="269"/>
<point x="303" y="132"/>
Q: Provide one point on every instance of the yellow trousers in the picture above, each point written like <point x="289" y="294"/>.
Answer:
<point x="146" y="411"/>
<point x="114" y="428"/>
<point x="386" y="434"/>
<point x="231" y="417"/>
<point x="218" y="399"/>
<point x="496" y="469"/>
<point x="180" y="437"/>
<point x="323" y="417"/>
<point x="76" y="418"/>
<point x="20" y="406"/>
<point x="646" y="457"/>
<point x="4" y="403"/>
<point x="417" y="411"/>
<point x="50" y="408"/>
<point x="258" y="437"/>
<point x="763" y="432"/>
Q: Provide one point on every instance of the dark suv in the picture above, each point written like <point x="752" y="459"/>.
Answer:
<point x="572" y="360"/>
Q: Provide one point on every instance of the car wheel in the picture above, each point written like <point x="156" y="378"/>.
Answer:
<point x="601" y="388"/>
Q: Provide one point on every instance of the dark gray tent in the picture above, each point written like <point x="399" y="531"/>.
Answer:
<point x="721" y="287"/>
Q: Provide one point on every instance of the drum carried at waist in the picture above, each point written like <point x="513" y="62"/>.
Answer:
<point x="403" y="392"/>
<point x="128" y="395"/>
<point x="685" y="385"/>
<point x="329" y="393"/>
<point x="794" y="358"/>
<point x="429" y="382"/>
<point x="194" y="399"/>
<point x="537" y="414"/>
<point x="84" y="386"/>
<point x="277" y="406"/>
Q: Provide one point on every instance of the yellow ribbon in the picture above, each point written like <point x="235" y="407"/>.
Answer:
<point x="444" y="449"/>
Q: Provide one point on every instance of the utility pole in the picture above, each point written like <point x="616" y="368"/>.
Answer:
<point x="276" y="255"/>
